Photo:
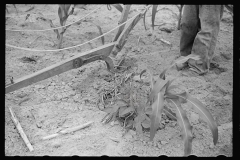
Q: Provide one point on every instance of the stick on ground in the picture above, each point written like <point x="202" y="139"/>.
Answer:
<point x="20" y="130"/>
<point x="68" y="130"/>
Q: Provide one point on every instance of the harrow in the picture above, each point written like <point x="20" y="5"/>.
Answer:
<point x="104" y="52"/>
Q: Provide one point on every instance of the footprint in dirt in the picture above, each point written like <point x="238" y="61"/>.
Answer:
<point x="216" y="68"/>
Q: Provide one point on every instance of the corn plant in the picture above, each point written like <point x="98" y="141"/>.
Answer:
<point x="123" y="112"/>
<point x="161" y="91"/>
<point x="63" y="13"/>
<point x="154" y="11"/>
<point x="179" y="15"/>
<point x="145" y="117"/>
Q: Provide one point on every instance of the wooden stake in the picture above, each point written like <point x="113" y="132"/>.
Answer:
<point x="20" y="130"/>
<point x="68" y="130"/>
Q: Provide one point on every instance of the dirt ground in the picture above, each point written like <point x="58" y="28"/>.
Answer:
<point x="71" y="98"/>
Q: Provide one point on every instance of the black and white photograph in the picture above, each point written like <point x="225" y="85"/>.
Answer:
<point x="119" y="80"/>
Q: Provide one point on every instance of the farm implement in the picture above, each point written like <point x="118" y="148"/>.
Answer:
<point x="104" y="52"/>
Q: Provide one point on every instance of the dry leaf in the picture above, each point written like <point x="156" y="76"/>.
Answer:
<point x="125" y="111"/>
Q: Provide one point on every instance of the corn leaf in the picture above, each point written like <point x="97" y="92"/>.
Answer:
<point x="185" y="125"/>
<point x="170" y="82"/>
<point x="113" y="111"/>
<point x="142" y="72"/>
<point x="157" y="108"/>
<point x="152" y="81"/>
<point x="147" y="118"/>
<point x="169" y="113"/>
<point x="144" y="19"/>
<point x="52" y="26"/>
<point x="114" y="115"/>
<point x="205" y="114"/>
<point x="154" y="11"/>
<point x="159" y="84"/>
<point x="172" y="87"/>
<point x="162" y="75"/>
<point x="63" y="13"/>
<point x="100" y="31"/>
<point x="181" y="96"/>
<point x="166" y="110"/>
<point x="118" y="7"/>
<point x="71" y="12"/>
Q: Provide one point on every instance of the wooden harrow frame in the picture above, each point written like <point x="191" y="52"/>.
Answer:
<point x="101" y="53"/>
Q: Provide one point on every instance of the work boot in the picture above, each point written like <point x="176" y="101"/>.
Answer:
<point x="199" y="66"/>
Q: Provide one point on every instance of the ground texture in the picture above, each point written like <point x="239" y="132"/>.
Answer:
<point x="72" y="98"/>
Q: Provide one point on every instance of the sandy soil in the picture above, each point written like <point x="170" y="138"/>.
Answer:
<point x="71" y="98"/>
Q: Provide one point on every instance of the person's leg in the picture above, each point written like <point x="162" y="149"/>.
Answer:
<point x="189" y="28"/>
<point x="205" y="41"/>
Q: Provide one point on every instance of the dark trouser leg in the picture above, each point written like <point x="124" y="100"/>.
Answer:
<point x="189" y="28"/>
<point x="205" y="41"/>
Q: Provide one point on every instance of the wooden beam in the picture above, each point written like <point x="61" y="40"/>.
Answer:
<point x="59" y="68"/>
